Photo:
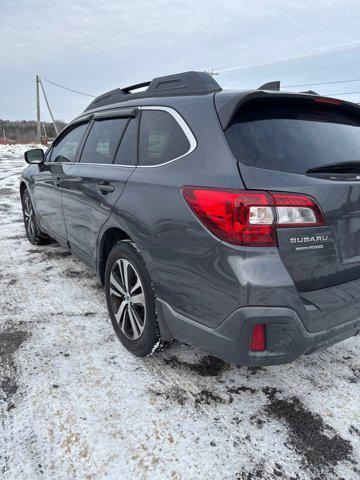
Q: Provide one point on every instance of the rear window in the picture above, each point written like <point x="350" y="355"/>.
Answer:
<point x="102" y="141"/>
<point x="294" y="136"/>
<point x="126" y="154"/>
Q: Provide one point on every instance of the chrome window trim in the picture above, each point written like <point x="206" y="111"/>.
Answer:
<point x="105" y="164"/>
<point x="184" y="127"/>
<point x="99" y="164"/>
<point x="180" y="121"/>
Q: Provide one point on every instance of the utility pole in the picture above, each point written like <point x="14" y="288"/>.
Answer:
<point x="47" y="103"/>
<point x="45" y="133"/>
<point x="38" y="131"/>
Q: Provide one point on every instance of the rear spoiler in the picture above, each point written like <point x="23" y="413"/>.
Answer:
<point x="227" y="103"/>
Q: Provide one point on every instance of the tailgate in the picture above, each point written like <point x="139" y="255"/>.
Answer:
<point x="280" y="144"/>
<point x="317" y="257"/>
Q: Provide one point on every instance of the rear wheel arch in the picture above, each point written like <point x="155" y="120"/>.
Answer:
<point x="109" y="239"/>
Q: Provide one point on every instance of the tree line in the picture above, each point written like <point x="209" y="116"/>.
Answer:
<point x="24" y="131"/>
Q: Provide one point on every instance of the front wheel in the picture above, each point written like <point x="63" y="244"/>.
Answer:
<point x="34" y="235"/>
<point x="130" y="300"/>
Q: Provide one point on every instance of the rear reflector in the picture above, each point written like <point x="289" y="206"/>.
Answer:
<point x="250" y="218"/>
<point x="258" y="338"/>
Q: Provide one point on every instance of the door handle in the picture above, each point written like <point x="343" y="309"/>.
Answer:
<point x="57" y="181"/>
<point x="105" y="188"/>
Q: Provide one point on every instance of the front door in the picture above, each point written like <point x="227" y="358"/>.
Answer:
<point x="94" y="184"/>
<point x="48" y="180"/>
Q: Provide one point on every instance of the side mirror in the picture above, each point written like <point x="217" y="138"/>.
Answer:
<point x="34" y="156"/>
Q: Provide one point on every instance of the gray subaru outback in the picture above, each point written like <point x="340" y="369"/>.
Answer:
<point x="229" y="220"/>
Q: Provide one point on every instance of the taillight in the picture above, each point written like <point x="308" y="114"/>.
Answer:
<point x="241" y="218"/>
<point x="296" y="210"/>
<point x="250" y="218"/>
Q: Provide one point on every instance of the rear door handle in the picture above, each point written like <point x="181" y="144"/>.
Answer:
<point x="57" y="181"/>
<point x="105" y="188"/>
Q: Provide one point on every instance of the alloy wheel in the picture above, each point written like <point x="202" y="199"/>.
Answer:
<point x="29" y="217"/>
<point x="127" y="299"/>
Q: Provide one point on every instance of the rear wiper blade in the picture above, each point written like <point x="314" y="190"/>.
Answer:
<point x="345" y="167"/>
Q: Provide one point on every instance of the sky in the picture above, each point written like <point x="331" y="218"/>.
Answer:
<point x="95" y="46"/>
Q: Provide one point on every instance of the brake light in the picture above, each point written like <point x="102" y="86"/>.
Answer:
<point x="331" y="101"/>
<point x="250" y="218"/>
<point x="241" y="218"/>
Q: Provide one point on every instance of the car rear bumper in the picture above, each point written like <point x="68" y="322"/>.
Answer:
<point x="286" y="336"/>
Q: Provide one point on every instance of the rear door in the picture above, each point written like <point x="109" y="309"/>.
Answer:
<point x="278" y="144"/>
<point x="94" y="184"/>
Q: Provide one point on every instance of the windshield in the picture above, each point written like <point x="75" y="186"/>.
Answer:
<point x="294" y="136"/>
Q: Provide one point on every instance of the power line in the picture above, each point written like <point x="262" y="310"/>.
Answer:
<point x="305" y="56"/>
<point x="342" y="93"/>
<point x="67" y="88"/>
<point x="322" y="83"/>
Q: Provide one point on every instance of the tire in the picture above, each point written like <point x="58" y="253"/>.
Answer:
<point x="131" y="301"/>
<point x="33" y="233"/>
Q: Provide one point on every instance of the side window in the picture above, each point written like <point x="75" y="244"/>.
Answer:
<point x="126" y="154"/>
<point x="161" y="138"/>
<point x="65" y="150"/>
<point x="102" y="141"/>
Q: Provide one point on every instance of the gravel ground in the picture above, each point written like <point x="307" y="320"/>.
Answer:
<point x="75" y="405"/>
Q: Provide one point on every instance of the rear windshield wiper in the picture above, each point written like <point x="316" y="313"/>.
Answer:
<point x="345" y="167"/>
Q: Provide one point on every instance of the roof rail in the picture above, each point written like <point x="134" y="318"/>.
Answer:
<point x="311" y="92"/>
<point x="185" y="83"/>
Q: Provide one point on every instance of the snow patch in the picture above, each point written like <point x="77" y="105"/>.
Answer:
<point x="17" y="150"/>
<point x="74" y="404"/>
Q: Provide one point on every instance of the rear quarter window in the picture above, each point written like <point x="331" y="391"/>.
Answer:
<point x="294" y="136"/>
<point x="161" y="138"/>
